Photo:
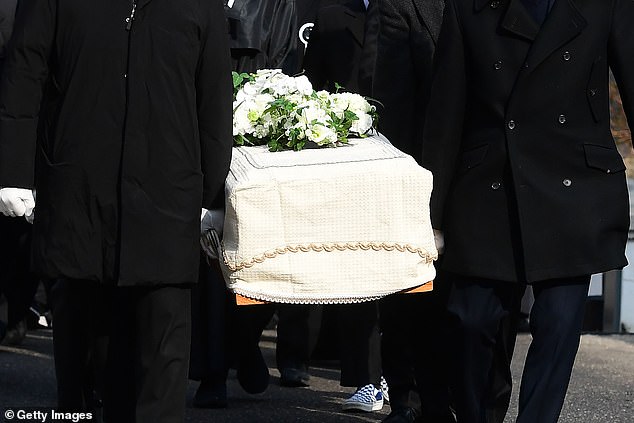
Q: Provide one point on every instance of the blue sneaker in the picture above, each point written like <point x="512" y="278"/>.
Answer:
<point x="366" y="398"/>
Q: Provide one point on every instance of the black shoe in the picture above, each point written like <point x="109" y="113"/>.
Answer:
<point x="293" y="378"/>
<point x="252" y="371"/>
<point x="210" y="395"/>
<point x="402" y="415"/>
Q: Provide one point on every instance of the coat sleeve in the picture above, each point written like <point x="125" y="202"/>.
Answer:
<point x="214" y="91"/>
<point x="621" y="54"/>
<point x="21" y="89"/>
<point x="446" y="111"/>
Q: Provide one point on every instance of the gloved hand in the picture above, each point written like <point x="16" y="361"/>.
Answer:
<point x="439" y="239"/>
<point x="17" y="202"/>
<point x="211" y="224"/>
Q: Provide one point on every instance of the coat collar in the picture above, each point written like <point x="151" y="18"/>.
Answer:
<point x="518" y="21"/>
<point x="563" y="23"/>
<point x="431" y="13"/>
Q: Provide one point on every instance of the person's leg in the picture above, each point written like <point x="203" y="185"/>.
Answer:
<point x="397" y="317"/>
<point x="75" y="307"/>
<point x="556" y="321"/>
<point x="360" y="340"/>
<point x="297" y="333"/>
<point x="431" y="367"/>
<point x="476" y="309"/>
<point x="163" y="329"/>
<point x="19" y="284"/>
<point x="209" y="352"/>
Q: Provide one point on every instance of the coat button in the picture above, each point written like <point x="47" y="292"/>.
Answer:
<point x="525" y="65"/>
<point x="496" y="185"/>
<point x="562" y="119"/>
<point x="566" y="56"/>
<point x="511" y="124"/>
<point x="498" y="65"/>
<point x="495" y="4"/>
<point x="592" y="92"/>
<point x="567" y="182"/>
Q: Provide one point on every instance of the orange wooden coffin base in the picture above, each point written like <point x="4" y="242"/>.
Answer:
<point x="426" y="287"/>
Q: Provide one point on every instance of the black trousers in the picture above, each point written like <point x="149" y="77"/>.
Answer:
<point x="17" y="283"/>
<point x="223" y="334"/>
<point x="415" y="362"/>
<point x="484" y="315"/>
<point x="144" y="368"/>
<point x="358" y="332"/>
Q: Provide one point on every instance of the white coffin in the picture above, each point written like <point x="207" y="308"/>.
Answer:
<point x="332" y="225"/>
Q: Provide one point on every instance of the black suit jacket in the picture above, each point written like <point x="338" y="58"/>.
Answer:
<point x="336" y="46"/>
<point x="402" y="75"/>
<point x="528" y="183"/>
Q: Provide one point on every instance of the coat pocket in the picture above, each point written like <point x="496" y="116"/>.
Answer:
<point x="596" y="98"/>
<point x="603" y="158"/>
<point x="472" y="157"/>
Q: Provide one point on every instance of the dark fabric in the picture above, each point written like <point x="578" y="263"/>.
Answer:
<point x="519" y="119"/>
<point x="335" y="49"/>
<point x="139" y="140"/>
<point x="141" y="373"/>
<point x="211" y="328"/>
<point x="306" y="15"/>
<point x="7" y="16"/>
<point x="479" y="310"/>
<point x="402" y="78"/>
<point x="357" y="330"/>
<point x="556" y="320"/>
<point x="538" y="9"/>
<point x="225" y="335"/>
<point x="297" y="333"/>
<point x="415" y="362"/>
<point x="17" y="283"/>
<point x="80" y="311"/>
<point x="262" y="35"/>
<point x="148" y="355"/>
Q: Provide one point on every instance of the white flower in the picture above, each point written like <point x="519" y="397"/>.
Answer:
<point x="282" y="110"/>
<point x="362" y="125"/>
<point x="321" y="134"/>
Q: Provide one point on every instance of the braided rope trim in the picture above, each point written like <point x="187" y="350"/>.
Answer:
<point x="329" y="247"/>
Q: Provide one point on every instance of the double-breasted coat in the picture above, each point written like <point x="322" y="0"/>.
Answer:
<point x="136" y="136"/>
<point x="402" y="74"/>
<point x="528" y="183"/>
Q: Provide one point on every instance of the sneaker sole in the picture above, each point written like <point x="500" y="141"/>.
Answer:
<point x="368" y="408"/>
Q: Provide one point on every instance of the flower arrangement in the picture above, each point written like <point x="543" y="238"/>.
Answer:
<point x="285" y="112"/>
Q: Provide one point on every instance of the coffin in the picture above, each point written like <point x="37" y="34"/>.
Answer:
<point x="331" y="225"/>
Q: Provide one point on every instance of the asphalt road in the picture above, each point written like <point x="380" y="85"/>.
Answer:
<point x="601" y="390"/>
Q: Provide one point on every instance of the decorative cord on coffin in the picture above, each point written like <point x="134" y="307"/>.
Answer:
<point x="328" y="247"/>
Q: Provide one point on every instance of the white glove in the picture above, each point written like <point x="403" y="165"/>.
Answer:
<point x="16" y="202"/>
<point x="439" y="239"/>
<point x="211" y="223"/>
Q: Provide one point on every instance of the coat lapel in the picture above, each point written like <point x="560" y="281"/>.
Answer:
<point x="355" y="20"/>
<point x="430" y="12"/>
<point x="563" y="23"/>
<point x="518" y="21"/>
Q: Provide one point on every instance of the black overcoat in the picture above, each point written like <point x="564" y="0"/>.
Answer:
<point x="402" y="75"/>
<point x="528" y="183"/>
<point x="136" y="137"/>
